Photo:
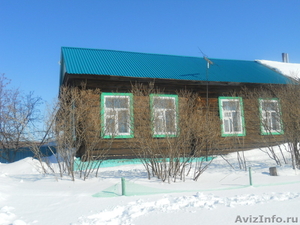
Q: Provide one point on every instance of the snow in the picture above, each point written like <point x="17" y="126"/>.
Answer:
<point x="287" y="69"/>
<point x="222" y="195"/>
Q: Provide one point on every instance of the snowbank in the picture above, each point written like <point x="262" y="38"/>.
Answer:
<point x="222" y="195"/>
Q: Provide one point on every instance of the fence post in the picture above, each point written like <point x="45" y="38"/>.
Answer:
<point x="123" y="186"/>
<point x="250" y="176"/>
<point x="273" y="171"/>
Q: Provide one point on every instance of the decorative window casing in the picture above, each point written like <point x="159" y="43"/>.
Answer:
<point x="232" y="116"/>
<point x="164" y="115"/>
<point x="270" y="116"/>
<point x="117" y="115"/>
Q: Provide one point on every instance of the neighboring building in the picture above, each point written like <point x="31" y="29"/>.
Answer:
<point x="24" y="152"/>
<point x="114" y="72"/>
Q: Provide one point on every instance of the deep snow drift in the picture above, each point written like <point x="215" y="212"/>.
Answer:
<point x="222" y="195"/>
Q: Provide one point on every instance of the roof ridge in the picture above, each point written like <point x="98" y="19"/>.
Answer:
<point x="161" y="54"/>
<point x="133" y="52"/>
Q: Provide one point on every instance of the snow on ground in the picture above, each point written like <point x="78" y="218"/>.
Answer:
<point x="287" y="69"/>
<point x="222" y="195"/>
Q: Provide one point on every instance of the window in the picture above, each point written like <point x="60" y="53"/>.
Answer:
<point x="270" y="116"/>
<point x="164" y="115"/>
<point x="116" y="115"/>
<point x="232" y="116"/>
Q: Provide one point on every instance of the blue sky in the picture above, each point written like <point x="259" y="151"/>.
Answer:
<point x="33" y="31"/>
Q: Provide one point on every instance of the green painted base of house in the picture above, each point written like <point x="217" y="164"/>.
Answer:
<point x="80" y="165"/>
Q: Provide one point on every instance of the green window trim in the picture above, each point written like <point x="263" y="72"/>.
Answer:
<point x="229" y="116"/>
<point x="114" y="117"/>
<point x="263" y="131"/>
<point x="163" y="113"/>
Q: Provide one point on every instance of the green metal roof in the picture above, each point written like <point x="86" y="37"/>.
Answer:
<point x="145" y="65"/>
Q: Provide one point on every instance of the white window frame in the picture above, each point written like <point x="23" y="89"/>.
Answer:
<point x="114" y="114"/>
<point x="270" y="119"/>
<point x="230" y="117"/>
<point x="162" y="114"/>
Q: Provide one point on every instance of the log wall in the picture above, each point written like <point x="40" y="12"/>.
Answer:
<point x="127" y="147"/>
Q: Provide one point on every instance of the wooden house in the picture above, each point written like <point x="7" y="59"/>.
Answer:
<point x="214" y="80"/>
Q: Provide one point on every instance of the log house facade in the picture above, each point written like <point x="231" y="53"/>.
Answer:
<point x="214" y="81"/>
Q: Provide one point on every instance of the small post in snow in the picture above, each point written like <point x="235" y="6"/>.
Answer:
<point x="250" y="176"/>
<point x="123" y="186"/>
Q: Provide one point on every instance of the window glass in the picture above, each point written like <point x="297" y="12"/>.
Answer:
<point x="231" y="114"/>
<point x="164" y="103"/>
<point x="123" y="120"/>
<point x="116" y="115"/>
<point x="164" y="113"/>
<point x="270" y="116"/>
<point x="116" y="102"/>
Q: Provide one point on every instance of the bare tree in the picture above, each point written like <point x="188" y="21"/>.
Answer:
<point x="172" y="132"/>
<point x="273" y="112"/>
<point x="78" y="132"/>
<point x="18" y="115"/>
<point x="289" y="96"/>
<point x="262" y="110"/>
<point x="47" y="140"/>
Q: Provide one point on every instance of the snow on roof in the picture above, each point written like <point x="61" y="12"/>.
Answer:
<point x="287" y="69"/>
